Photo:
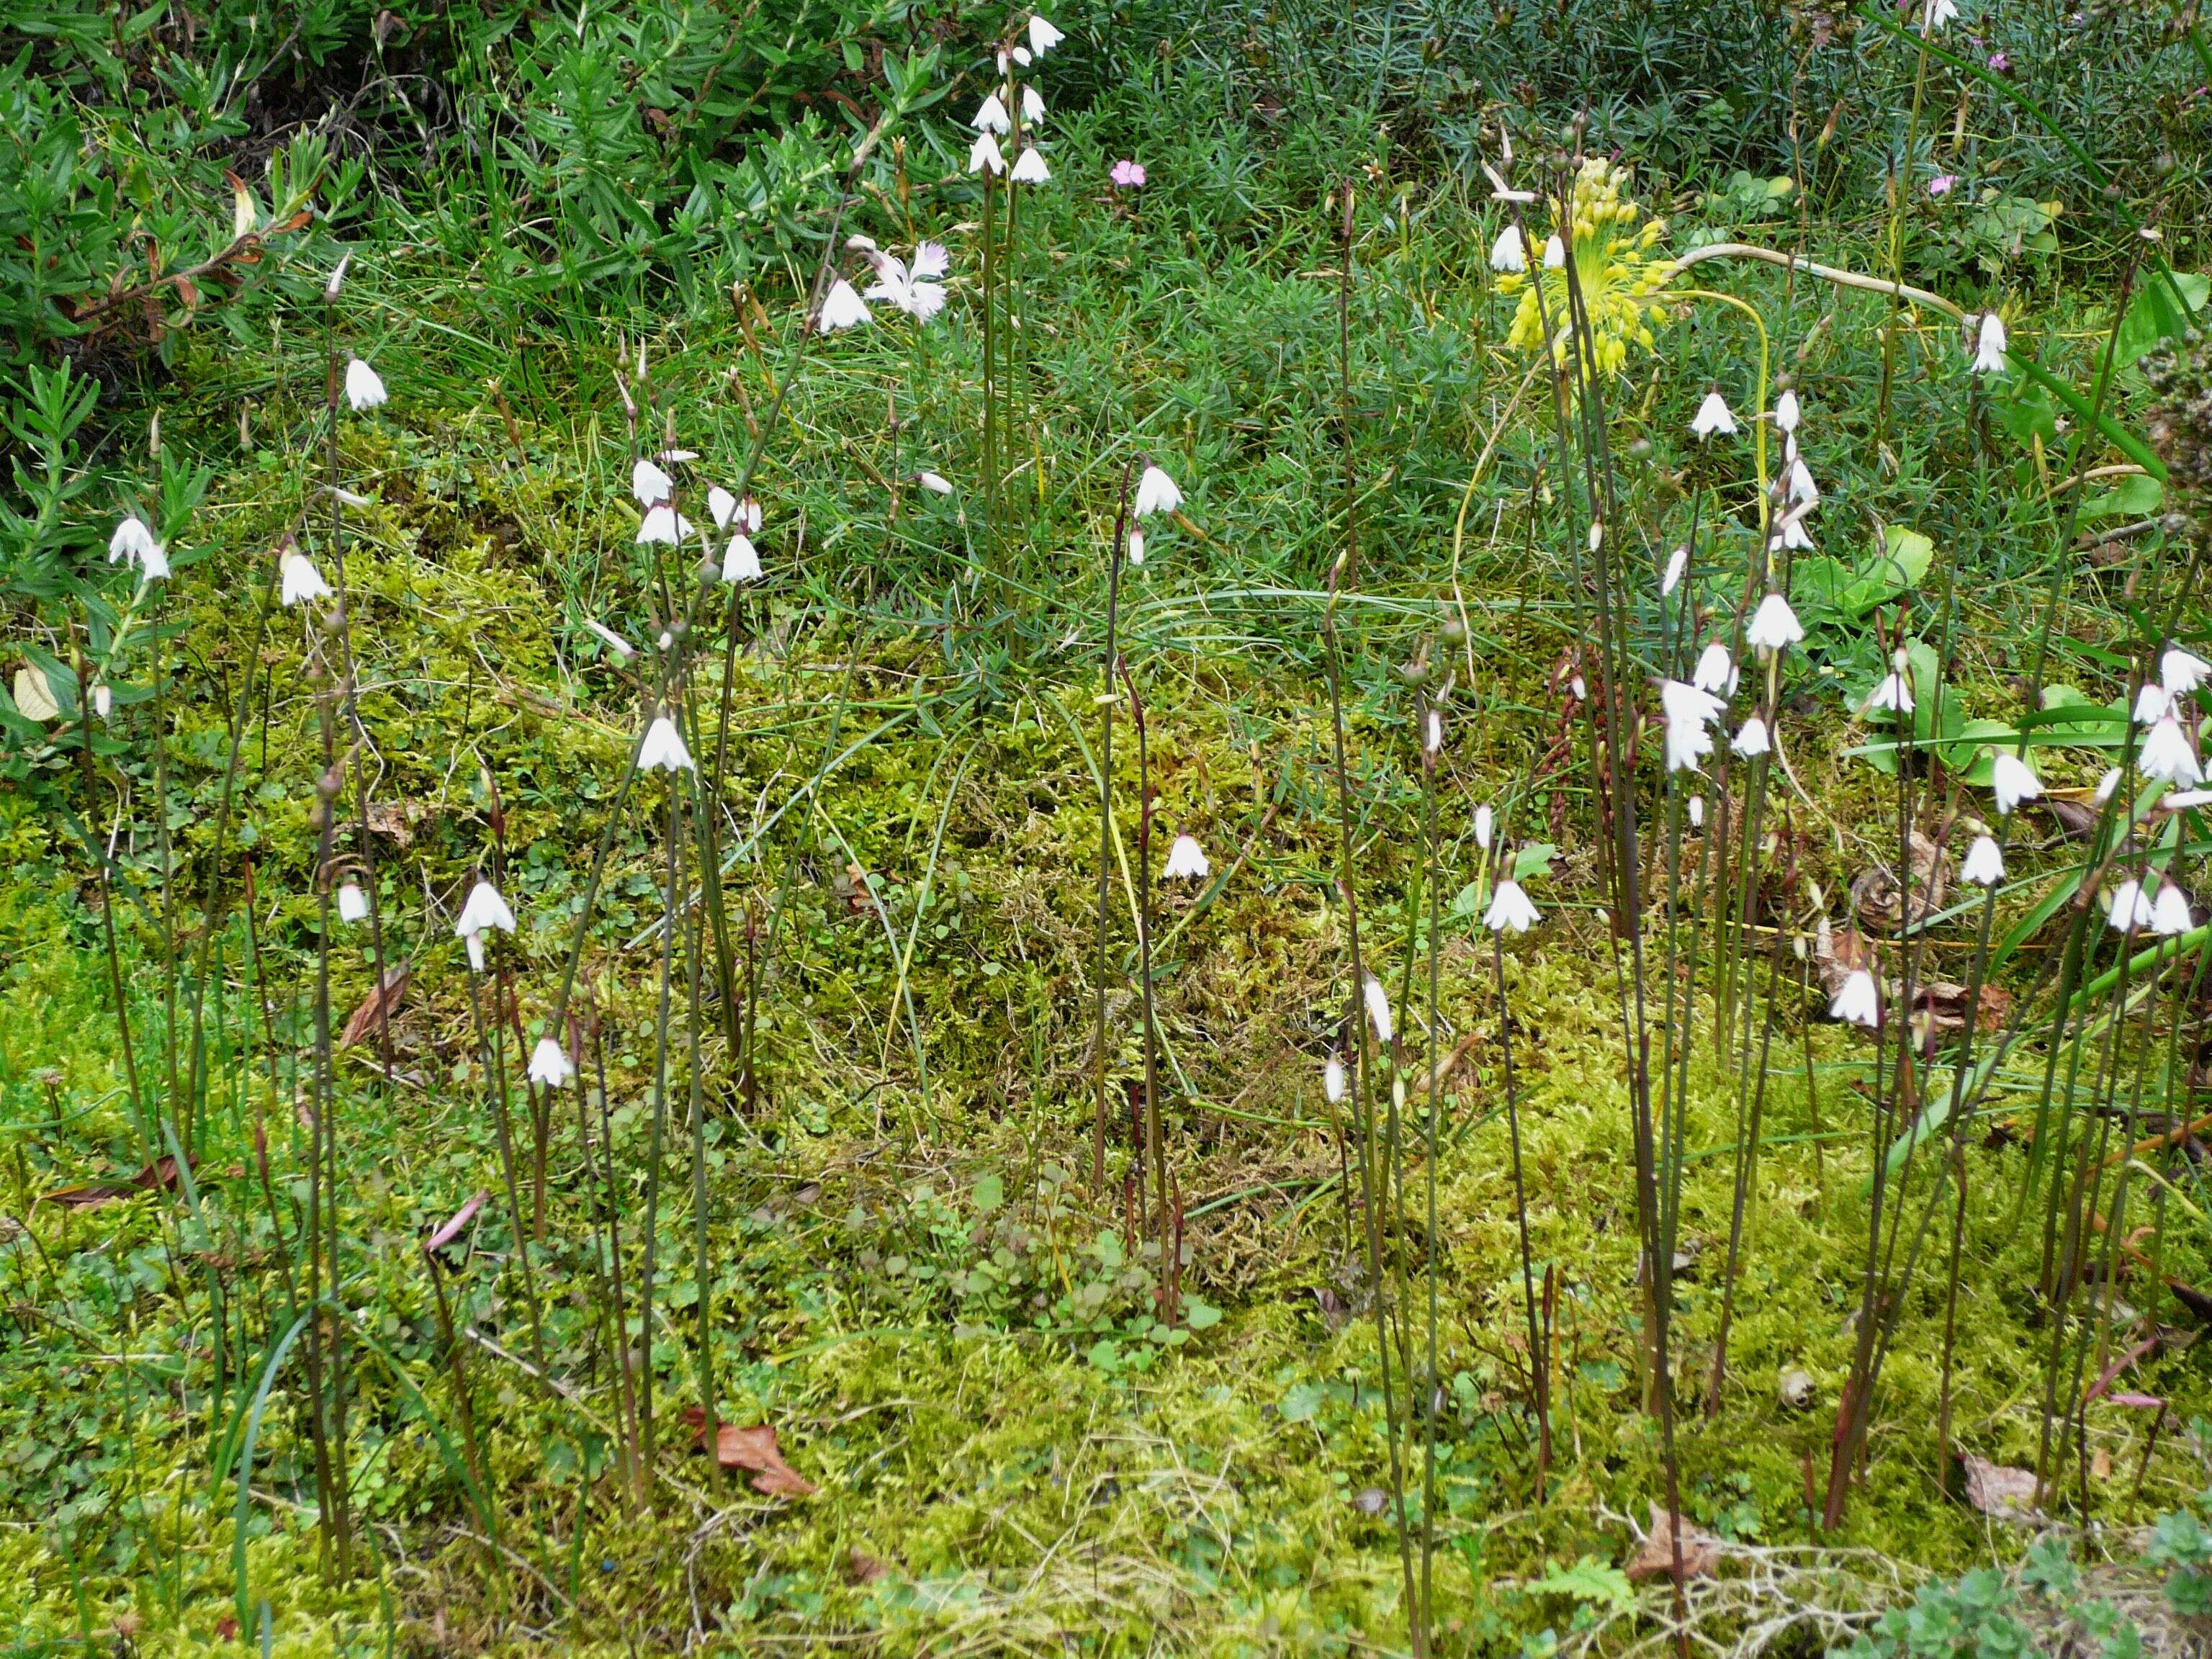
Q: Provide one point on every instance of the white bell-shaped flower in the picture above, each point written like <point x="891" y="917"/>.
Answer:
<point x="664" y="525"/>
<point x="2129" y="908"/>
<point x="1983" y="864"/>
<point x="651" y="485"/>
<point x="1689" y="712"/>
<point x="353" y="903"/>
<point x="1332" y="1081"/>
<point x="1858" y="1001"/>
<point x="984" y="156"/>
<point x="1186" y="861"/>
<point x="1787" y="412"/>
<point x="2153" y="703"/>
<point x="1157" y="493"/>
<point x="1136" y="544"/>
<point x="842" y="308"/>
<point x="549" y="1064"/>
<point x="1678" y="562"/>
<point x="1990" y="344"/>
<point x="133" y="543"/>
<point x="935" y="483"/>
<point x="364" y="389"/>
<point x="1511" y="910"/>
<point x="991" y="116"/>
<point x="1507" y="254"/>
<point x="1030" y="168"/>
<point x="663" y="748"/>
<point x="2011" y="781"/>
<point x="2166" y="754"/>
<point x="484" y="910"/>
<point x="1751" y="738"/>
<point x="1713" y="416"/>
<point x="1032" y="106"/>
<point x="740" y="559"/>
<point x="2181" y="672"/>
<point x="298" y="581"/>
<point x="1043" y="37"/>
<point x="2169" y="913"/>
<point x="1715" y="672"/>
<point x="1485" y="824"/>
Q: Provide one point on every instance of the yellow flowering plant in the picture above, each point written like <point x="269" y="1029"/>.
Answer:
<point x="1614" y="265"/>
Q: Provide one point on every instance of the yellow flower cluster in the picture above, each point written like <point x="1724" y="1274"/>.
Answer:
<point x="1614" y="267"/>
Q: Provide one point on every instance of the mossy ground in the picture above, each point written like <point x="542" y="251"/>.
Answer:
<point x="914" y="1280"/>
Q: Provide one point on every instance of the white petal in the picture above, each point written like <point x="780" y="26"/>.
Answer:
<point x="842" y="308"/>
<point x="935" y="483"/>
<point x="301" y="580"/>
<point x="2013" y="781"/>
<point x="1043" y="37"/>
<point x="664" y="748"/>
<point x="1332" y="1081"/>
<point x="650" y="484"/>
<point x="931" y="262"/>
<point x="1713" y="416"/>
<point x="741" y="560"/>
<point x="1378" y="1008"/>
<point x="364" y="389"/>
<point x="991" y="116"/>
<point x="1983" y="864"/>
<point x="549" y="1065"/>
<point x="1506" y="253"/>
<point x="983" y="155"/>
<point x="1030" y="167"/>
<point x="2182" y="672"/>
<point x="1157" y="493"/>
<point x="1677" y="562"/>
<point x="353" y="903"/>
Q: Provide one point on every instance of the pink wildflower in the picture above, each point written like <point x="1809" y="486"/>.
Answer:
<point x="1942" y="183"/>
<point x="1127" y="175"/>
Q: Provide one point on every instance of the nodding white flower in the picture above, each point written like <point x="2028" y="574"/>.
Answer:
<point x="664" y="748"/>
<point x="1697" y="812"/>
<point x="2181" y="672"/>
<point x="2170" y="911"/>
<point x="1485" y="822"/>
<point x="363" y="388"/>
<point x="1774" y="625"/>
<point x="2011" y="781"/>
<point x="1186" y="861"/>
<point x="299" y="580"/>
<point x="844" y="309"/>
<point x="1378" y="1008"/>
<point x="991" y="116"/>
<point x="1030" y="167"/>
<point x="550" y="1065"/>
<point x="1713" y="416"/>
<point x="1032" y="106"/>
<point x="2166" y="754"/>
<point x="338" y="277"/>
<point x="1895" y="691"/>
<point x="1433" y="733"/>
<point x="1786" y="412"/>
<point x="721" y="506"/>
<point x="741" y="560"/>
<point x="2131" y="907"/>
<point x="134" y="543"/>
<point x="1983" y="863"/>
<point x="1555" y="253"/>
<point x="1714" y="671"/>
<point x="2153" y="703"/>
<point x="484" y="910"/>
<point x="1791" y="534"/>
<point x="1939" y="12"/>
<point x="1751" y="738"/>
<point x="983" y="155"/>
<point x="475" y="942"/>
<point x="1803" y="489"/>
<point x="650" y="484"/>
<point x="1506" y="253"/>
<point x="1689" y="712"/>
<point x="1858" y="1002"/>
<point x="1511" y="910"/>
<point x="1157" y="493"/>
<point x="749" y="516"/>
<point x="1042" y="36"/>
<point x="615" y="643"/>
<point x="103" y="699"/>
<point x="1677" y="562"/>
<point x="931" y="262"/>
<point x="664" y="525"/>
<point x="353" y="903"/>
<point x="935" y="483"/>
<point x="1136" y="545"/>
<point x="2106" y="784"/>
<point x="1332" y="1081"/>
<point x="1989" y="338"/>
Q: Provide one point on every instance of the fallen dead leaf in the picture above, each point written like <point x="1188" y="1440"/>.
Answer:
<point x="2000" y="1492"/>
<point x="1839" y="952"/>
<point x="754" y="1449"/>
<point x="159" y="1175"/>
<point x="1701" y="1550"/>
<point x="1879" y="894"/>
<point x="379" y="1006"/>
<point x="396" y="819"/>
<point x="863" y="1568"/>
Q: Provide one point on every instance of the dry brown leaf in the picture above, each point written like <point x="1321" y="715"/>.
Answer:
<point x="379" y="1005"/>
<point x="161" y="1173"/>
<point x="394" y="819"/>
<point x="1880" y="896"/>
<point x="1998" y="1490"/>
<point x="1839" y="952"/>
<point x="754" y="1449"/>
<point x="863" y="1568"/>
<point x="1701" y="1550"/>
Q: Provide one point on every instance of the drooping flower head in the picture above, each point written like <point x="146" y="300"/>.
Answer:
<point x="353" y="903"/>
<point x="1043" y="37"/>
<point x="550" y="1065"/>
<point x="1983" y="864"/>
<point x="134" y="543"/>
<point x="2011" y="781"/>
<point x="1751" y="738"/>
<point x="2181" y="672"/>
<point x="1774" y="625"/>
<point x="1617" y="271"/>
<point x="663" y="748"/>
<point x="2129" y="908"/>
<point x="2170" y="911"/>
<point x="1688" y="713"/>
<point x="740" y="559"/>
<point x="298" y="581"/>
<point x="843" y="308"/>
<point x="664" y="525"/>
<point x="983" y="155"/>
<point x="1713" y="416"/>
<point x="1378" y="1008"/>
<point x="650" y="484"/>
<point x="1857" y="1001"/>
<point x="1186" y="861"/>
<point x="991" y="117"/>
<point x="1714" y="671"/>
<point x="1332" y="1081"/>
<point x="1990" y="344"/>
<point x="1506" y="253"/>
<point x="1030" y="168"/>
<point x="1511" y="910"/>
<point x="1155" y="492"/>
<point x="2166" y="754"/>
<point x="364" y="389"/>
<point x="483" y="910"/>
